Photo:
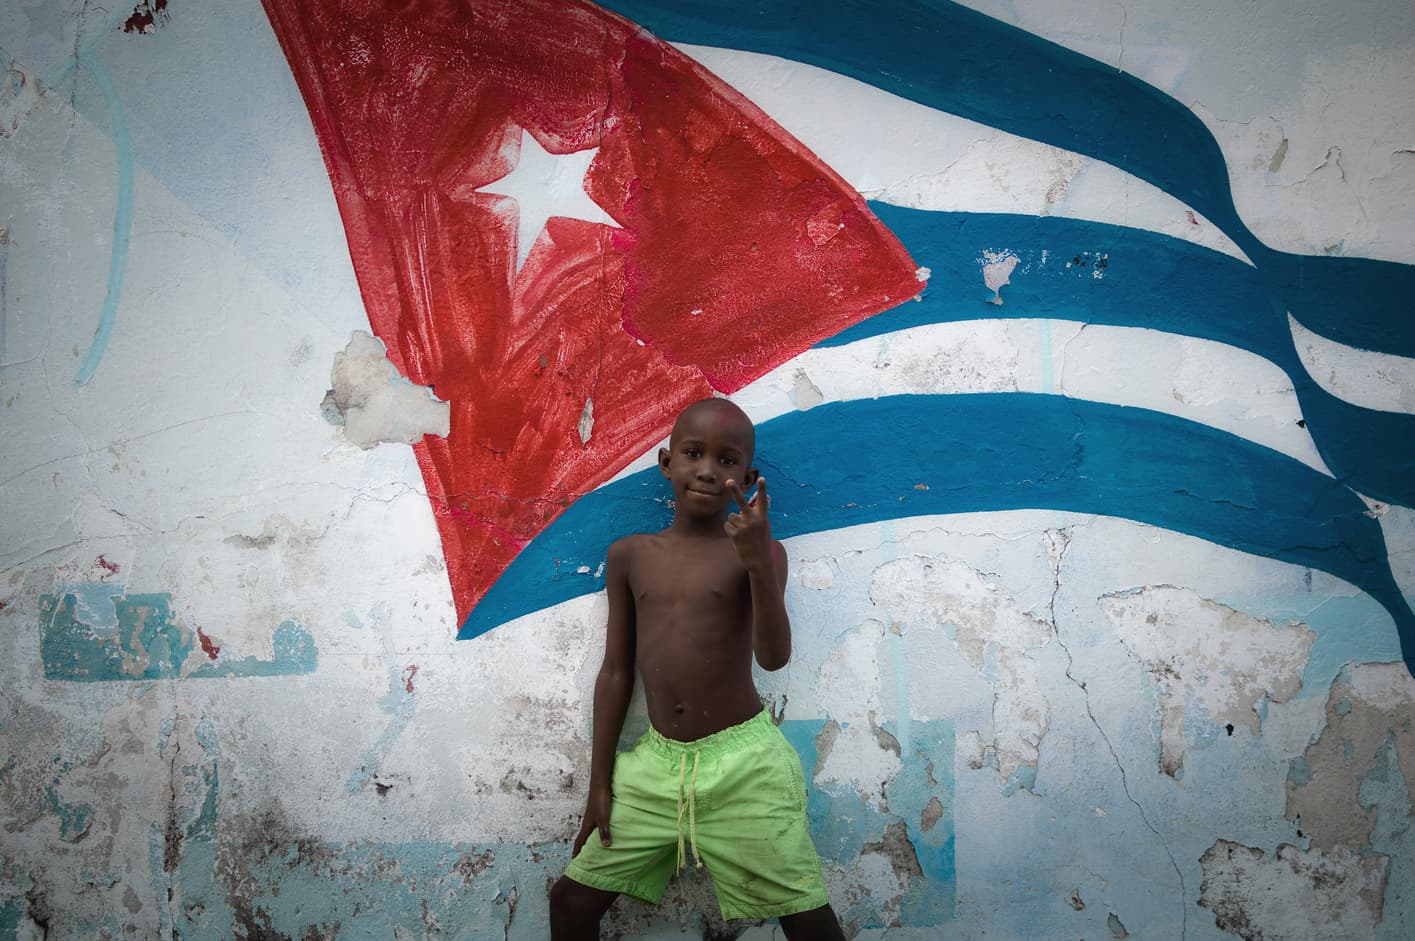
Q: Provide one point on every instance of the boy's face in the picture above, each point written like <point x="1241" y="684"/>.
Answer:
<point x="712" y="443"/>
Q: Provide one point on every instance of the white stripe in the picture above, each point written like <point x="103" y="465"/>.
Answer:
<point x="1203" y="381"/>
<point x="1381" y="381"/>
<point x="901" y="152"/>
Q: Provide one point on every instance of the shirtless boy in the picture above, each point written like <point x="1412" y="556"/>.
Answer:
<point x="713" y="780"/>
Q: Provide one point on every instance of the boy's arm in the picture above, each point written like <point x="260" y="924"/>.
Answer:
<point x="612" y="690"/>
<point x="765" y="561"/>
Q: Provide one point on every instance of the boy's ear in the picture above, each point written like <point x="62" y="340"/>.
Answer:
<point x="749" y="478"/>
<point x="663" y="456"/>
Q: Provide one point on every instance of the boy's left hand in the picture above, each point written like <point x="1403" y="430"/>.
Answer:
<point x="749" y="528"/>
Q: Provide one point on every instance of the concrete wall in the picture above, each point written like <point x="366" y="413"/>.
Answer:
<point x="1100" y="545"/>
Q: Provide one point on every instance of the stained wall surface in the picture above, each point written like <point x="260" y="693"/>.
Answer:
<point x="336" y="343"/>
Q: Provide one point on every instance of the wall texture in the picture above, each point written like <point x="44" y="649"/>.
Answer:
<point x="336" y="341"/>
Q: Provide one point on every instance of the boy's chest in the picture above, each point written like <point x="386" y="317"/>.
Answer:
<point x="706" y="577"/>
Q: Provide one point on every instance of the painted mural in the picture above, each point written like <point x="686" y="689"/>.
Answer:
<point x="1078" y="340"/>
<point x="728" y="249"/>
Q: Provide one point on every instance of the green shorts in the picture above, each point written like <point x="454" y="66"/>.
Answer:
<point x="735" y="800"/>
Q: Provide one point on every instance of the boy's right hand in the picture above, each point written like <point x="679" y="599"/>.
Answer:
<point x="596" y="815"/>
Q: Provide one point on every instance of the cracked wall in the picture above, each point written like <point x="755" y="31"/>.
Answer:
<point x="231" y="705"/>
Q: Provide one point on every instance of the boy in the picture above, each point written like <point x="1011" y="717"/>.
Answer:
<point x="713" y="777"/>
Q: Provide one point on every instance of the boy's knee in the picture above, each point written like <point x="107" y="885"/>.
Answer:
<point x="574" y="903"/>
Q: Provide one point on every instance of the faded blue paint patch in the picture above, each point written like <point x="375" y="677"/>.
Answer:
<point x="93" y="633"/>
<point x="1023" y="779"/>
<point x="162" y="878"/>
<point x="368" y="890"/>
<point x="1299" y="772"/>
<point x="1385" y="789"/>
<point x="122" y="217"/>
<point x="143" y="644"/>
<point x="293" y="652"/>
<point x="920" y="797"/>
<point x="203" y="825"/>
<point x="11" y="912"/>
<point x="400" y="703"/>
<point x="74" y="819"/>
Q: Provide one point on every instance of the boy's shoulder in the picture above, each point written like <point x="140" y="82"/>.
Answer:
<point x="626" y="547"/>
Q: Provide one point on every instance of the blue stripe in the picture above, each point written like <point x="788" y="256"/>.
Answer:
<point x="1148" y="280"/>
<point x="991" y="452"/>
<point x="962" y="62"/>
<point x="1075" y="269"/>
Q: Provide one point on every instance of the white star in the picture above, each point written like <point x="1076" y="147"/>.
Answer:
<point x="545" y="185"/>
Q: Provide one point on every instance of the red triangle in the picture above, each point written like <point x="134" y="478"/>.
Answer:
<point x="738" y="249"/>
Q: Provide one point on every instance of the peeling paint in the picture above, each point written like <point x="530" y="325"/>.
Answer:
<point x="141" y="639"/>
<point x="375" y="404"/>
<point x="1251" y="893"/>
<point x="585" y="428"/>
<point x="1369" y="708"/>
<point x="997" y="272"/>
<point x="1206" y="660"/>
<point x="805" y="393"/>
<point x="994" y="635"/>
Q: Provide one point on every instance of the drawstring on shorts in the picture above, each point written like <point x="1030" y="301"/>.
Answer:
<point x="691" y="807"/>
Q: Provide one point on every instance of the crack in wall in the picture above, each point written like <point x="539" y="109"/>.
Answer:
<point x="1058" y="542"/>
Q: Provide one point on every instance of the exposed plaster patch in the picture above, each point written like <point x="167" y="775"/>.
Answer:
<point x="972" y="750"/>
<point x="805" y="393"/>
<point x="1293" y="895"/>
<point x="993" y="634"/>
<point x="1279" y="155"/>
<point x="933" y="813"/>
<point x="586" y="425"/>
<point x="997" y="272"/>
<point x="376" y="405"/>
<point x="1206" y="658"/>
<point x="470" y="866"/>
<point x="895" y="847"/>
<point x="817" y="574"/>
<point x="1370" y="705"/>
<point x="857" y="754"/>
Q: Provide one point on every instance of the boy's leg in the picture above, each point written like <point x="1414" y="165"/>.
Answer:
<point x="575" y="910"/>
<point x="818" y="924"/>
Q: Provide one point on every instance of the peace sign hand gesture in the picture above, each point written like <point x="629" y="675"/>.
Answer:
<point x="749" y="528"/>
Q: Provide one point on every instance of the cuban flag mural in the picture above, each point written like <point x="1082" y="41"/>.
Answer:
<point x="569" y="227"/>
<point x="1077" y="336"/>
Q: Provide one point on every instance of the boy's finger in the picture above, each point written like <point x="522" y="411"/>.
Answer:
<point x="604" y="836"/>
<point x="760" y="498"/>
<point x="735" y="489"/>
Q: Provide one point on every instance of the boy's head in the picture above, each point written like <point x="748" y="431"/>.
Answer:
<point x="713" y="441"/>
